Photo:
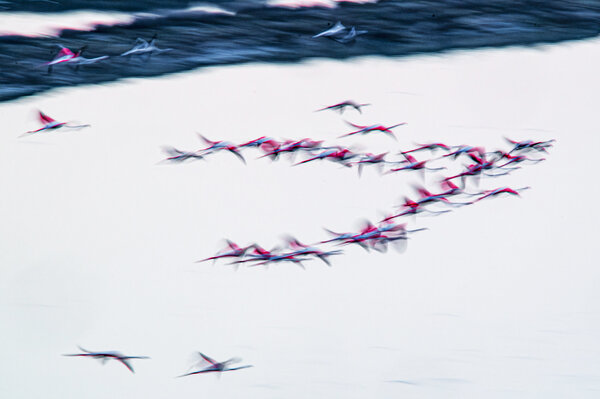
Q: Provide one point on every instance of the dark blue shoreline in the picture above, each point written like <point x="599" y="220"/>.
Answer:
<point x="281" y="35"/>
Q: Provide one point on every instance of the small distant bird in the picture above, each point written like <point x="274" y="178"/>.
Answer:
<point x="340" y="33"/>
<point x="105" y="356"/>
<point x="212" y="366"/>
<point x="176" y="155"/>
<point x="51" y="124"/>
<point x="336" y="30"/>
<point x="341" y="107"/>
<point x="143" y="47"/>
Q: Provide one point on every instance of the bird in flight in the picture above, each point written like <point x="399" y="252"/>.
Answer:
<point x="341" y="107"/>
<point x="105" y="356"/>
<point x="51" y="124"/>
<point x="212" y="366"/>
<point x="373" y="128"/>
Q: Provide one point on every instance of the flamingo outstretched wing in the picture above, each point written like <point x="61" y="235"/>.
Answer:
<point x="45" y="119"/>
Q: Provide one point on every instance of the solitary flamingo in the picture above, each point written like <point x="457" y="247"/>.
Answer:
<point x="51" y="124"/>
<point x="104" y="356"/>
<point x="216" y="367"/>
<point x="176" y="155"/>
<point x="341" y="107"/>
<point x="143" y="47"/>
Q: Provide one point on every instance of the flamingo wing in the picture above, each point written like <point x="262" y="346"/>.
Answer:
<point x="208" y="359"/>
<point x="355" y="126"/>
<point x="125" y="363"/>
<point x="45" y="118"/>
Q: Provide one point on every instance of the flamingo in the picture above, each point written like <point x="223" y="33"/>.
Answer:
<point x="340" y="33"/>
<point x="231" y="251"/>
<point x="369" y="158"/>
<point x="341" y="107"/>
<point x="303" y="249"/>
<point x="373" y="128"/>
<point x="176" y="155"/>
<point x="104" y="356"/>
<point x="540" y="146"/>
<point x="337" y="154"/>
<point x="502" y="190"/>
<point x="411" y="163"/>
<point x="430" y="146"/>
<point x="143" y="47"/>
<point x="214" y="146"/>
<point x="51" y="124"/>
<point x="66" y="56"/>
<point x="216" y="367"/>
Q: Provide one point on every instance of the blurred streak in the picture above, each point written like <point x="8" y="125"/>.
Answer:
<point x="32" y="25"/>
<point x="226" y="32"/>
<point x="403" y="382"/>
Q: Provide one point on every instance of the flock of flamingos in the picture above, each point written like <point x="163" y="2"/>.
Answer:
<point x="452" y="193"/>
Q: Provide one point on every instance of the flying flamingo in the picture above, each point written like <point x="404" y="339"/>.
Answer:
<point x="369" y="158"/>
<point x="176" y="155"/>
<point x="66" y="56"/>
<point x="51" y="124"/>
<point x="529" y="144"/>
<point x="502" y="190"/>
<point x="214" y="146"/>
<point x="104" y="356"/>
<point x="231" y="251"/>
<point x="216" y="367"/>
<point x="430" y="146"/>
<point x="337" y="154"/>
<point x="373" y="128"/>
<point x="300" y="249"/>
<point x="143" y="47"/>
<point x="341" y="107"/>
<point x="411" y="163"/>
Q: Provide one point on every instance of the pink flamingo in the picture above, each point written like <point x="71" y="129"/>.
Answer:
<point x="214" y="146"/>
<point x="51" y="124"/>
<point x="337" y="154"/>
<point x="502" y="190"/>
